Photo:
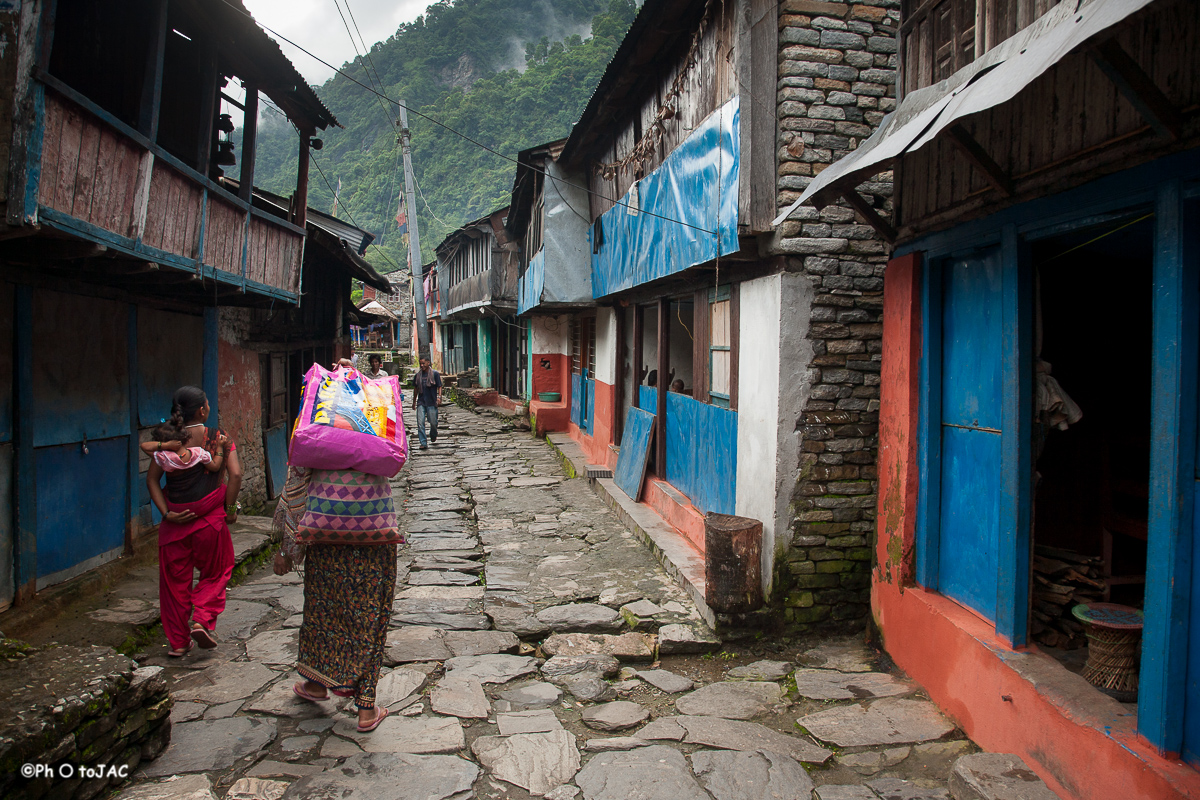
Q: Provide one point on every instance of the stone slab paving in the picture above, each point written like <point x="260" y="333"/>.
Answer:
<point x="538" y="650"/>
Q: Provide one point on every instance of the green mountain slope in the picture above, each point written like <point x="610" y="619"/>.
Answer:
<point x="457" y="64"/>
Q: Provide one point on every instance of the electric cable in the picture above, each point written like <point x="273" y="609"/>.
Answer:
<point x="443" y="125"/>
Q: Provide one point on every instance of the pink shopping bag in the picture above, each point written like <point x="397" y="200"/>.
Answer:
<point x="349" y="421"/>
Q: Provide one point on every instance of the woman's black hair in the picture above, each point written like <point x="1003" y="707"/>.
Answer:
<point x="186" y="401"/>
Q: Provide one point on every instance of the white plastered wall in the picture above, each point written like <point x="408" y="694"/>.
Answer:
<point x="551" y="334"/>
<point x="758" y="408"/>
<point x="794" y="386"/>
<point x="773" y="383"/>
<point x="606" y="346"/>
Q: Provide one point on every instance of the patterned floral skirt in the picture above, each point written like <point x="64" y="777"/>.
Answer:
<point x="348" y="594"/>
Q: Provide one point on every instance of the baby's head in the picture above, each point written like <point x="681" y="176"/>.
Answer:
<point x="168" y="434"/>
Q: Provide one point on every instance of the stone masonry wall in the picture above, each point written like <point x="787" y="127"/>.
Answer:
<point x="239" y="407"/>
<point x="87" y="715"/>
<point x="837" y="80"/>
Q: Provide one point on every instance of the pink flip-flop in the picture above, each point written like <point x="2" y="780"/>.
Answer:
<point x="380" y="716"/>
<point x="205" y="638"/>
<point x="300" y="691"/>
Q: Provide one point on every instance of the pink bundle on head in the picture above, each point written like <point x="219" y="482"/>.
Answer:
<point x="349" y="421"/>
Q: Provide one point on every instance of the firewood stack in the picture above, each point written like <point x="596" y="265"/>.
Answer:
<point x="1061" y="580"/>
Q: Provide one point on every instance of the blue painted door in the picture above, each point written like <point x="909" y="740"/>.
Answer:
<point x="81" y="506"/>
<point x="970" y="421"/>
<point x="276" y="446"/>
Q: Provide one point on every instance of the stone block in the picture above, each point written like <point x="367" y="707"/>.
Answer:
<point x="996" y="776"/>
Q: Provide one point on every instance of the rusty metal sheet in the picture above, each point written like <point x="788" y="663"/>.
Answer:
<point x="80" y="368"/>
<point x="991" y="80"/>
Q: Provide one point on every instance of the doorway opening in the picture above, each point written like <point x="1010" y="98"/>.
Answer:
<point x="1092" y="419"/>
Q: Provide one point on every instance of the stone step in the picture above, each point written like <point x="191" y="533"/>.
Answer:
<point x="996" y="776"/>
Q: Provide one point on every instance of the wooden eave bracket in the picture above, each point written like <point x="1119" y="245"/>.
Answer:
<point x="974" y="152"/>
<point x="1138" y="88"/>
<point x="868" y="213"/>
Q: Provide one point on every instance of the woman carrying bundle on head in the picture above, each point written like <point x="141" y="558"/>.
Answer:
<point x="203" y="478"/>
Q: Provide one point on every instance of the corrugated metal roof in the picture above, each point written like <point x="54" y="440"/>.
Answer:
<point x="255" y="56"/>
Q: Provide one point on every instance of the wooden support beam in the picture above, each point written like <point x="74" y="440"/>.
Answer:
<point x="1138" y="88"/>
<point x="638" y="357"/>
<point x="979" y="158"/>
<point x="870" y="215"/>
<point x="664" y="370"/>
<point x="300" y="199"/>
<point x="619" y="388"/>
<point x="152" y="81"/>
<point x="249" y="143"/>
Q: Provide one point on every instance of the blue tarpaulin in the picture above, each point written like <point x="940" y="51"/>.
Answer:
<point x="702" y="452"/>
<point x="529" y="288"/>
<point x="696" y="184"/>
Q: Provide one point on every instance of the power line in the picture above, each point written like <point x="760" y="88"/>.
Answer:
<point x="460" y="134"/>
<point x="382" y="252"/>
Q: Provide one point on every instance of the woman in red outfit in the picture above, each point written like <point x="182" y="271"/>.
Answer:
<point x="196" y="507"/>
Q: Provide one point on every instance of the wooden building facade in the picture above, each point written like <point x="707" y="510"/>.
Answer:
<point x="122" y="243"/>
<point x="1041" y="343"/>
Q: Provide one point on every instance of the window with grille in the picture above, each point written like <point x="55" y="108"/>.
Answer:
<point x="583" y="346"/>
<point x="720" y="352"/>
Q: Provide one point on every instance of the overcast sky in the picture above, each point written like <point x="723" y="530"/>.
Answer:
<point x="315" y="24"/>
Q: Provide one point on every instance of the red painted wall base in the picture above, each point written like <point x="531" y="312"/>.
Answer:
<point x="1082" y="743"/>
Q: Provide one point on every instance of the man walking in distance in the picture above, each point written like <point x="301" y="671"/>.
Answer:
<point x="427" y="396"/>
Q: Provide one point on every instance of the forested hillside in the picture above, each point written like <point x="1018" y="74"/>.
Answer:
<point x="508" y="73"/>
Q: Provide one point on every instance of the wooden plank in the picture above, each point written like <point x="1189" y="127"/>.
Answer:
<point x="1176" y="335"/>
<point x="664" y="369"/>
<point x="928" y="524"/>
<point x="249" y="142"/>
<point x="735" y="342"/>
<point x="1137" y="87"/>
<point x="977" y="156"/>
<point x="152" y="75"/>
<point x="85" y="176"/>
<point x="25" y="489"/>
<point x="1012" y="611"/>
<point x="630" y="474"/>
<point x="637" y="356"/>
<point x="51" y="146"/>
<point x="105" y="208"/>
<point x="620" y="383"/>
<point x="700" y="342"/>
<point x="68" y="160"/>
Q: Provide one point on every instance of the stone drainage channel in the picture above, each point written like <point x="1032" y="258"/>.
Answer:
<point x="538" y="650"/>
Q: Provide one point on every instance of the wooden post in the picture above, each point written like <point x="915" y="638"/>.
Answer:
<point x="619" y="387"/>
<point x="210" y="380"/>
<point x="152" y="80"/>
<point x="208" y="109"/>
<point x="700" y="342"/>
<point x="24" y="467"/>
<point x="249" y="143"/>
<point x="133" y="509"/>
<point x="735" y="343"/>
<point x="635" y="378"/>
<point x="300" y="199"/>
<point x="732" y="563"/>
<point x="664" y="368"/>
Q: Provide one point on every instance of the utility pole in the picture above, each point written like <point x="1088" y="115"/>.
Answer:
<point x="414" y="237"/>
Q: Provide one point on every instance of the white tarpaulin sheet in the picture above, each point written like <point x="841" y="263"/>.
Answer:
<point x="995" y="78"/>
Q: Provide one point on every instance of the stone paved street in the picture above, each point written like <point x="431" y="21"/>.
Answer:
<point x="522" y="663"/>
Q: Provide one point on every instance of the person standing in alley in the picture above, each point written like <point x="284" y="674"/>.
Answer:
<point x="374" y="369"/>
<point x="342" y="523"/>
<point x="427" y="396"/>
<point x="197" y="506"/>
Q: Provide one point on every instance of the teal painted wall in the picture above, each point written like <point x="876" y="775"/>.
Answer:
<point x="487" y="338"/>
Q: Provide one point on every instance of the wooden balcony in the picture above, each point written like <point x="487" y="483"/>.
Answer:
<point x="103" y="181"/>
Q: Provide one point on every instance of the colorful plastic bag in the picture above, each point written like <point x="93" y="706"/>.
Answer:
<point x="349" y="421"/>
